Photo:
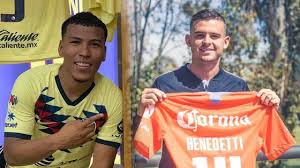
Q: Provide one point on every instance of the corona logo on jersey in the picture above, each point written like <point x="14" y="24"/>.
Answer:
<point x="193" y="119"/>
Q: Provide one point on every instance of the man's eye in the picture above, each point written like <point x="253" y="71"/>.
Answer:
<point x="75" y="42"/>
<point x="214" y="36"/>
<point x="200" y="35"/>
<point x="95" y="44"/>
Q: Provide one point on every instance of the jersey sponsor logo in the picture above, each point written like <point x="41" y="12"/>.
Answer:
<point x="11" y="125"/>
<point x="13" y="100"/>
<point x="9" y="118"/>
<point x="193" y="119"/>
<point x="17" y="40"/>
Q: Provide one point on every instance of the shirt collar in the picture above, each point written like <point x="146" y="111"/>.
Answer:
<point x="217" y="77"/>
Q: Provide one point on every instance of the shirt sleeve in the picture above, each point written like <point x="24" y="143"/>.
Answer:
<point x="277" y="138"/>
<point x="148" y="137"/>
<point x="246" y="88"/>
<point x="155" y="84"/>
<point x="112" y="131"/>
<point x="20" y="118"/>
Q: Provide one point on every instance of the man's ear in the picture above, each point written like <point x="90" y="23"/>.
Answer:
<point x="226" y="42"/>
<point x="59" y="49"/>
<point x="104" y="54"/>
<point x="188" y="40"/>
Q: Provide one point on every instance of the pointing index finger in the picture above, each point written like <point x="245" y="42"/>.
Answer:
<point x="92" y="119"/>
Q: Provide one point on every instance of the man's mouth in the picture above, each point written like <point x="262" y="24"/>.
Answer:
<point x="205" y="49"/>
<point x="83" y="64"/>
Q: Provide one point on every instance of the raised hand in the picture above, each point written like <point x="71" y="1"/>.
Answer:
<point x="269" y="97"/>
<point x="150" y="96"/>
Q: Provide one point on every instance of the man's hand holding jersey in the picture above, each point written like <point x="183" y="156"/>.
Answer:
<point x="269" y="98"/>
<point x="149" y="97"/>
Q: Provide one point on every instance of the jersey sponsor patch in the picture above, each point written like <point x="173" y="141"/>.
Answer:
<point x="193" y="119"/>
<point x="10" y="120"/>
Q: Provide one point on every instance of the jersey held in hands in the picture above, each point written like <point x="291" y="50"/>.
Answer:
<point x="213" y="130"/>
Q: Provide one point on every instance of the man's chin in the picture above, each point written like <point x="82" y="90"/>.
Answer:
<point x="208" y="59"/>
<point x="81" y="79"/>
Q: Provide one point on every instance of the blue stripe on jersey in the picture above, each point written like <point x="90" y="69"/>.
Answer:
<point x="17" y="135"/>
<point x="109" y="143"/>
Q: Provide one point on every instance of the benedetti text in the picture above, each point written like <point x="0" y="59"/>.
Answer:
<point x="214" y="144"/>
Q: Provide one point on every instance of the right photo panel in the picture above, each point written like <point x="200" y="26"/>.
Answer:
<point x="214" y="84"/>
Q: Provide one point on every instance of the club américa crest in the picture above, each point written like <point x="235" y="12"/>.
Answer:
<point x="13" y="100"/>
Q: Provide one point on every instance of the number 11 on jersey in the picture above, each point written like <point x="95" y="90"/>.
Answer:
<point x="219" y="162"/>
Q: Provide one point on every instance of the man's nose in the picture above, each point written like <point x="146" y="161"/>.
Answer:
<point x="206" y="39"/>
<point x="85" y="50"/>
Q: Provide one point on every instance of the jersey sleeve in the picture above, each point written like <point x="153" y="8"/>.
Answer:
<point x="245" y="87"/>
<point x="112" y="131"/>
<point x="148" y="137"/>
<point x="277" y="138"/>
<point x="20" y="118"/>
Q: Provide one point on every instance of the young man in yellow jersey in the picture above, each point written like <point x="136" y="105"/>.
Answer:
<point x="61" y="115"/>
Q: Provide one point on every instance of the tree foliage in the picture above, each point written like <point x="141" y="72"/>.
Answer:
<point x="155" y="24"/>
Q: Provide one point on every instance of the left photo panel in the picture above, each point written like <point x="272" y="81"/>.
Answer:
<point x="63" y="84"/>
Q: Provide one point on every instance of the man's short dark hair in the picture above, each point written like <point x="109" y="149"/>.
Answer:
<point x="84" y="19"/>
<point x="206" y="14"/>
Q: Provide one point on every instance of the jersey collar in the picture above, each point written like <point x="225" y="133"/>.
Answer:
<point x="65" y="97"/>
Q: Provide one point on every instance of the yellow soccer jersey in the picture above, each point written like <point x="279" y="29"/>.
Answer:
<point x="39" y="107"/>
<point x="30" y="29"/>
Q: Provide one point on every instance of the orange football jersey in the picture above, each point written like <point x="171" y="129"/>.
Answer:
<point x="213" y="130"/>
